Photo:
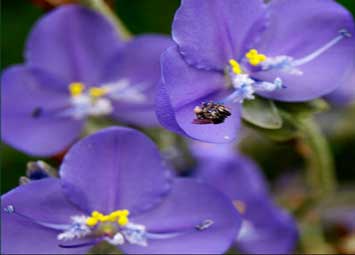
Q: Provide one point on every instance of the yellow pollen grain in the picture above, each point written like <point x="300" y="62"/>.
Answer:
<point x="91" y="222"/>
<point x="119" y="216"/>
<point x="76" y="88"/>
<point x="240" y="206"/>
<point x="97" y="91"/>
<point x="97" y="215"/>
<point x="254" y="57"/>
<point x="122" y="221"/>
<point x="235" y="66"/>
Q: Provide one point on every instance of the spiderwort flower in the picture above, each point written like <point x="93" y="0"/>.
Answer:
<point x="77" y="66"/>
<point x="114" y="187"/>
<point x="227" y="51"/>
<point x="266" y="228"/>
<point x="345" y="94"/>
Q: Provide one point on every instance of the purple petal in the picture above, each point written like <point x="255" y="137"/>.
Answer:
<point x="27" y="93"/>
<point x="298" y="28"/>
<point x="209" y="33"/>
<point x="44" y="201"/>
<point x="219" y="133"/>
<point x="237" y="176"/>
<point x="138" y="63"/>
<point x="189" y="204"/>
<point x="74" y="43"/>
<point x="116" y="168"/>
<point x="182" y="89"/>
<point x="266" y="228"/>
<point x="345" y="94"/>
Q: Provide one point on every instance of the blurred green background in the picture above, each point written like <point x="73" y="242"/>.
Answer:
<point x="144" y="16"/>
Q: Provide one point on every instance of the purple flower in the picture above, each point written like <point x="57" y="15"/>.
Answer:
<point x="266" y="228"/>
<point x="345" y="94"/>
<point x="77" y="66"/>
<point x="229" y="50"/>
<point x="114" y="187"/>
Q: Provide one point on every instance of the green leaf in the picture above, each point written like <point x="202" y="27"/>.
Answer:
<point x="287" y="132"/>
<point x="262" y="113"/>
<point x="304" y="109"/>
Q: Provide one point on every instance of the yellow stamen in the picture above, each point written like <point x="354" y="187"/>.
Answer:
<point x="254" y="57"/>
<point x="76" y="88"/>
<point x="122" y="221"/>
<point x="119" y="216"/>
<point x="97" y="91"/>
<point x="91" y="222"/>
<point x="235" y="66"/>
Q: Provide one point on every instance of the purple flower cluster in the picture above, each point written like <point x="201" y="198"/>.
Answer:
<point x="76" y="67"/>
<point x="113" y="186"/>
<point x="229" y="51"/>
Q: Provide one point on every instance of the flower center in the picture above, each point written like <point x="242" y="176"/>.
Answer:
<point x="244" y="87"/>
<point x="115" y="228"/>
<point x="98" y="101"/>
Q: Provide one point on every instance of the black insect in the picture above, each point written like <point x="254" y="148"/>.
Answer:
<point x="211" y="113"/>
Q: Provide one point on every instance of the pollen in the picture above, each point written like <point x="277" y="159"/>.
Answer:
<point x="254" y="57"/>
<point x="235" y="66"/>
<point x="119" y="216"/>
<point x="97" y="91"/>
<point x="123" y="221"/>
<point x="76" y="89"/>
<point x="91" y="222"/>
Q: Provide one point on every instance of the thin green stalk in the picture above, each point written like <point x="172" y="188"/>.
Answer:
<point x="104" y="9"/>
<point x="321" y="174"/>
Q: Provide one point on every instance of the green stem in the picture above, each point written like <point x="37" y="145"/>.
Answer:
<point x="321" y="174"/>
<point x="101" y="7"/>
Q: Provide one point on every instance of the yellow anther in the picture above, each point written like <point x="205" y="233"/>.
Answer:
<point x="122" y="221"/>
<point x="97" y="215"/>
<point x="76" y="88"/>
<point x="235" y="66"/>
<point x="105" y="218"/>
<point x="97" y="91"/>
<point x="252" y="53"/>
<point x="254" y="57"/>
<point x="91" y="222"/>
<point x="125" y="212"/>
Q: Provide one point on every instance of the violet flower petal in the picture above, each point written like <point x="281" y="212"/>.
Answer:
<point x="42" y="200"/>
<point x="182" y="88"/>
<point x="116" y="168"/>
<point x="138" y="63"/>
<point x="72" y="42"/>
<point x="30" y="114"/>
<point x="189" y="204"/>
<point x="209" y="33"/>
<point x="345" y="94"/>
<point x="298" y="28"/>
<point x="266" y="227"/>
